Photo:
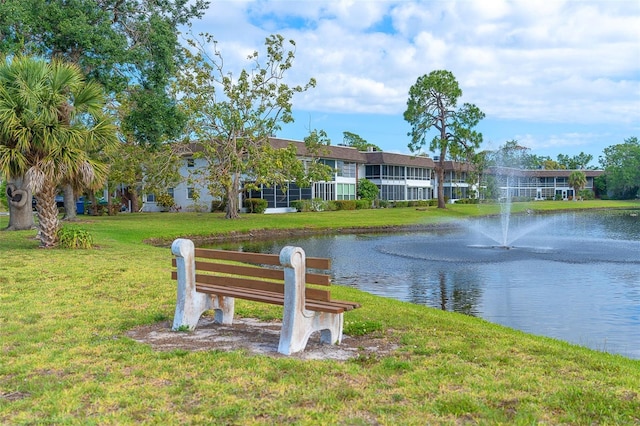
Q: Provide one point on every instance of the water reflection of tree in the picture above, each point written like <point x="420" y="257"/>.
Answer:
<point x="458" y="292"/>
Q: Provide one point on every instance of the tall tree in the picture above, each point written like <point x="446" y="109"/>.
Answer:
<point x="577" y="180"/>
<point x="576" y="162"/>
<point x="621" y="165"/>
<point x="549" y="164"/>
<point x="49" y="116"/>
<point x="358" y="142"/>
<point x="233" y="127"/>
<point x="129" y="46"/>
<point x="432" y="104"/>
<point x="512" y="155"/>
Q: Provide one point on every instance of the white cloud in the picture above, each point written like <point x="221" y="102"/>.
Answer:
<point x="554" y="61"/>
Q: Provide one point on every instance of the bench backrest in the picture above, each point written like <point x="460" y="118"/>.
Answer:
<point x="247" y="270"/>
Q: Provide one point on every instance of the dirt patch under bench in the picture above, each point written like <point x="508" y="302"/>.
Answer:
<point x="259" y="338"/>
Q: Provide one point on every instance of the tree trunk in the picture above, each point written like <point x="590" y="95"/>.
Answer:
<point x="109" y="203"/>
<point x="135" y="201"/>
<point x="440" y="167"/>
<point x="70" y="211"/>
<point x="440" y="173"/>
<point x="232" y="199"/>
<point x="93" y="205"/>
<point x="48" y="223"/>
<point x="20" y="210"/>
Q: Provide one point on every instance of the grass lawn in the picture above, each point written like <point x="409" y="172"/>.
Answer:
<point x="64" y="357"/>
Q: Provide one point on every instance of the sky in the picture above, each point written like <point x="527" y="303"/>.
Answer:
<point x="559" y="77"/>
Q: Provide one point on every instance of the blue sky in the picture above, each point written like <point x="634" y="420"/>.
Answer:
<point x="560" y="77"/>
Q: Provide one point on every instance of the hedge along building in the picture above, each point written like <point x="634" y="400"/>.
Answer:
<point x="399" y="177"/>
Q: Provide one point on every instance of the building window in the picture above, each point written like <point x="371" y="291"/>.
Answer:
<point x="346" y="191"/>
<point x="324" y="191"/>
<point x="372" y="172"/>
<point x="190" y="193"/>
<point x="346" y="169"/>
<point x="170" y="192"/>
<point x="417" y="193"/>
<point x="330" y="163"/>
<point x="191" y="162"/>
<point x="417" y="173"/>
<point x="151" y="198"/>
<point x="392" y="192"/>
<point x="392" y="172"/>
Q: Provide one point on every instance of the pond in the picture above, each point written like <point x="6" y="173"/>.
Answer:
<point x="571" y="276"/>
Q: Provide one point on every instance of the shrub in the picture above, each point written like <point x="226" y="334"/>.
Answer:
<point x="315" y="205"/>
<point x="301" y="205"/>
<point x="367" y="189"/>
<point x="587" y="194"/>
<point x="165" y="201"/>
<point x="345" y="204"/>
<point x="73" y="238"/>
<point x="401" y="204"/>
<point x="363" y="204"/>
<point x="332" y="206"/>
<point x="218" y="205"/>
<point x="255" y="205"/>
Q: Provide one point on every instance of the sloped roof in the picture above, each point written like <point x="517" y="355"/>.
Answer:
<point x="547" y="173"/>
<point x="331" y="151"/>
<point x="347" y="153"/>
<point x="380" y="157"/>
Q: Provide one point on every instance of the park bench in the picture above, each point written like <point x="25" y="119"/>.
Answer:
<point x="212" y="279"/>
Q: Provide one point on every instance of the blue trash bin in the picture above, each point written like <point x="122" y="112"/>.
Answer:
<point x="80" y="207"/>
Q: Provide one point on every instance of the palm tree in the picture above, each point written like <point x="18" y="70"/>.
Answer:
<point x="577" y="180"/>
<point x="49" y="118"/>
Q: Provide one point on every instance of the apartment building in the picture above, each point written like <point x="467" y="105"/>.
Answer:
<point x="400" y="177"/>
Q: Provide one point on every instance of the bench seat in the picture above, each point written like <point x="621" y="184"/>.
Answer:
<point x="333" y="306"/>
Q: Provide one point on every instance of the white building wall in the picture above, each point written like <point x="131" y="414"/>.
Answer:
<point x="182" y="192"/>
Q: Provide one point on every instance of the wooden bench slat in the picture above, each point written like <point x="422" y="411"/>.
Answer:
<point x="311" y="277"/>
<point x="266" y="296"/>
<point x="348" y="306"/>
<point x="239" y="256"/>
<point x="254" y="271"/>
<point x="317" y="294"/>
<point x="245" y="283"/>
<point x="255" y="295"/>
<point x="318" y="279"/>
<point x="318" y="263"/>
<point x="249" y="271"/>
<point x="258" y="258"/>
<point x="227" y="281"/>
